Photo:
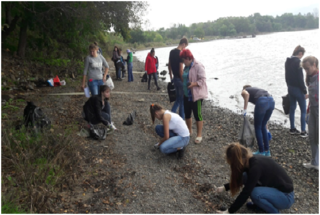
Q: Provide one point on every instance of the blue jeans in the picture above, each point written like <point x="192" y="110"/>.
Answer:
<point x="295" y="95"/>
<point x="106" y="112"/>
<point x="262" y="113"/>
<point x="174" y="141"/>
<point x="270" y="199"/>
<point x="130" y="75"/>
<point x="94" y="86"/>
<point x="179" y="98"/>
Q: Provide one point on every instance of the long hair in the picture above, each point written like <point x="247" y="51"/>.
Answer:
<point x="153" y="109"/>
<point x="102" y="89"/>
<point x="237" y="157"/>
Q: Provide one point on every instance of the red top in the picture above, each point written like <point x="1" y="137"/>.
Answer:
<point x="150" y="65"/>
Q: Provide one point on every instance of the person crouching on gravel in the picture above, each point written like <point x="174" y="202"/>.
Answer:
<point x="174" y="132"/>
<point x="265" y="181"/>
<point x="311" y="66"/>
<point x="97" y="109"/>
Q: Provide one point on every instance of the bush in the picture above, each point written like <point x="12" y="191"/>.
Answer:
<point x="34" y="168"/>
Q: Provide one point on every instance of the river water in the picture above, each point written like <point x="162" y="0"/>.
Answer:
<point x="259" y="61"/>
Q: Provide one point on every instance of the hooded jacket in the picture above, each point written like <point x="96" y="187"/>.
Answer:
<point x="294" y="74"/>
<point x="150" y="65"/>
<point x="92" y="110"/>
<point x="198" y="74"/>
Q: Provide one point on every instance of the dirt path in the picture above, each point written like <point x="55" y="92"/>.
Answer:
<point x="125" y="174"/>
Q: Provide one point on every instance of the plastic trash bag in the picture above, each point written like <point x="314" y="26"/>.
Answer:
<point x="130" y="119"/>
<point x="286" y="104"/>
<point x="109" y="83"/>
<point x="247" y="135"/>
<point x="98" y="133"/>
<point x="171" y="92"/>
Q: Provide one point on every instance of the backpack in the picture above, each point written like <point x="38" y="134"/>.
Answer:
<point x="144" y="78"/>
<point x="286" y="104"/>
<point x="34" y="117"/>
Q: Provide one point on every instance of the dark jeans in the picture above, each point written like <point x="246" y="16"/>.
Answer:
<point x="155" y="80"/>
<point x="262" y="113"/>
<point x="130" y="75"/>
<point x="179" y="97"/>
<point x="296" y="95"/>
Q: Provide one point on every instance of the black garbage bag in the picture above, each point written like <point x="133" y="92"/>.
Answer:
<point x="98" y="133"/>
<point x="171" y="92"/>
<point x="247" y="135"/>
<point x="130" y="118"/>
<point x="286" y="104"/>
<point x="35" y="118"/>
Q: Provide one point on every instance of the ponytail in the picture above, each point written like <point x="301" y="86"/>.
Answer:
<point x="153" y="109"/>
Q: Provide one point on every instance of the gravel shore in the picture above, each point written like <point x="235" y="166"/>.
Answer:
<point x="125" y="174"/>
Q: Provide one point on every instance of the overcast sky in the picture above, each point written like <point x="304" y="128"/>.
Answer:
<point x="163" y="13"/>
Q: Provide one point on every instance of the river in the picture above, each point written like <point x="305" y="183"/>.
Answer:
<point x="259" y="61"/>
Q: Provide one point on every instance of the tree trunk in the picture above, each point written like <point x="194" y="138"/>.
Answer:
<point x="23" y="38"/>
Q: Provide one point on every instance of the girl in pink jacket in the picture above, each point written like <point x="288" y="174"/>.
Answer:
<point x="194" y="89"/>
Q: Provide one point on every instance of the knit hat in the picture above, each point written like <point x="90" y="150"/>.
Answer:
<point x="128" y="51"/>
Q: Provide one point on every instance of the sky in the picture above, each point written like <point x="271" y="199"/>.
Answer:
<point x="164" y="13"/>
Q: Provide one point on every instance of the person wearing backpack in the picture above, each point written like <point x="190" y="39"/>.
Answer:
<point x="311" y="66"/>
<point x="92" y="68"/>
<point x="264" y="106"/>
<point x="97" y="109"/>
<point x="297" y="90"/>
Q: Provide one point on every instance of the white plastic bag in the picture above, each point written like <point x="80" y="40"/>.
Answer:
<point x="86" y="92"/>
<point x="109" y="83"/>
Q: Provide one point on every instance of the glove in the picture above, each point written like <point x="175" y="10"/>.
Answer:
<point x="244" y="112"/>
<point x="220" y="189"/>
<point x="156" y="146"/>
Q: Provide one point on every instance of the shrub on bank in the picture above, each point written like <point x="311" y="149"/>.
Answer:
<point x="36" y="167"/>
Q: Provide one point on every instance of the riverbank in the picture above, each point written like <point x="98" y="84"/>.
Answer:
<point x="125" y="174"/>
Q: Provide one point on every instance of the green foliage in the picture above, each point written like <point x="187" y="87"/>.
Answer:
<point x="10" y="208"/>
<point x="8" y="105"/>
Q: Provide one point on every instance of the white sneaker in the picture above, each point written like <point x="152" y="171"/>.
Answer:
<point x="156" y="145"/>
<point x="114" y="127"/>
<point x="309" y="166"/>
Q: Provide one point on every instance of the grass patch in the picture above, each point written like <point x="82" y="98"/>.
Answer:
<point x="36" y="167"/>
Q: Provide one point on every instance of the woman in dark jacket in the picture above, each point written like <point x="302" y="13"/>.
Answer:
<point x="265" y="181"/>
<point x="115" y="58"/>
<point x="296" y="89"/>
<point x="97" y="108"/>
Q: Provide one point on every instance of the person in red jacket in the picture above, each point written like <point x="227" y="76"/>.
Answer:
<point x="150" y="67"/>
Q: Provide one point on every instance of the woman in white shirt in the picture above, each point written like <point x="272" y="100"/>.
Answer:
<point x="174" y="132"/>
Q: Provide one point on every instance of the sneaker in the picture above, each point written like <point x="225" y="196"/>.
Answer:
<point x="309" y="166"/>
<point x="180" y="153"/>
<point x="113" y="127"/>
<point x="258" y="153"/>
<point x="303" y="134"/>
<point x="294" y="131"/>
<point x="156" y="146"/>
<point x="267" y="153"/>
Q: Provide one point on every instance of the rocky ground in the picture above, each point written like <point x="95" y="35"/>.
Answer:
<point x="125" y="174"/>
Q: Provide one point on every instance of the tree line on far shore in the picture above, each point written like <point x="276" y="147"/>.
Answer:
<point x="230" y="26"/>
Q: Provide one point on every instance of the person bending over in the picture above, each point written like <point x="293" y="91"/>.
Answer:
<point x="264" y="105"/>
<point x="263" y="180"/>
<point x="174" y="133"/>
<point x="97" y="109"/>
